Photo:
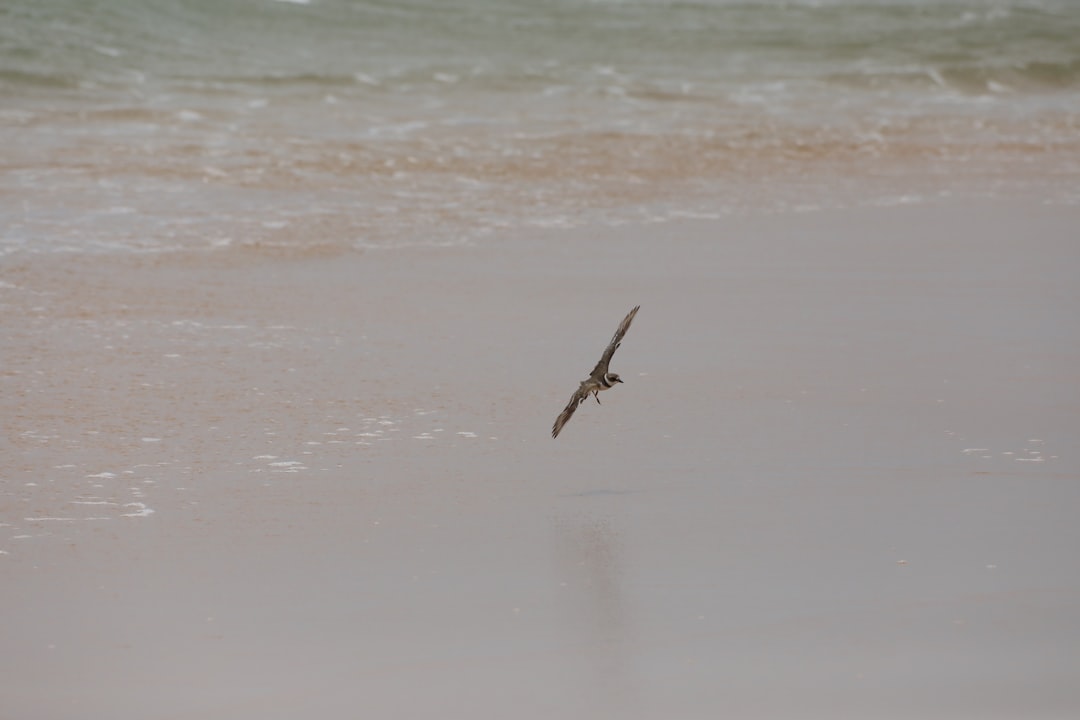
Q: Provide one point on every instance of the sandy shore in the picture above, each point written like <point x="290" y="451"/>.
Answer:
<point x="840" y="480"/>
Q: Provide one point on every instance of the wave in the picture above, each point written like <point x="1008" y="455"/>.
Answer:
<point x="57" y="43"/>
<point x="16" y="78"/>
<point x="966" y="77"/>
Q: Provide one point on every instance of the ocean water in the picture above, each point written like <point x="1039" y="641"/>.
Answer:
<point x="163" y="125"/>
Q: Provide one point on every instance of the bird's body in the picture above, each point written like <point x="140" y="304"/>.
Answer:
<point x="599" y="379"/>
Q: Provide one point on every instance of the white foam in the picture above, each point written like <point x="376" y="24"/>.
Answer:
<point x="142" y="510"/>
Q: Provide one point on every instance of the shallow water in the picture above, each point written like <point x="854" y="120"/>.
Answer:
<point x="159" y="125"/>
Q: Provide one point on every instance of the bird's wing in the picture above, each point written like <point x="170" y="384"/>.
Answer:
<point x="616" y="339"/>
<point x="568" y="411"/>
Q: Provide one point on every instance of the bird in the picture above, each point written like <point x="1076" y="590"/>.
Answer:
<point x="599" y="379"/>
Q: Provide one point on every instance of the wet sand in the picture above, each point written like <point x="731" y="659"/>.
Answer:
<point x="840" y="480"/>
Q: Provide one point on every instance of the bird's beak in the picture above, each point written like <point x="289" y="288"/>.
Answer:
<point x="619" y="380"/>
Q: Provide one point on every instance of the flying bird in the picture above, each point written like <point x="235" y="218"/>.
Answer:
<point x="599" y="379"/>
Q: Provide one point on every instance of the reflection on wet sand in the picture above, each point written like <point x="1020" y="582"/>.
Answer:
<point x="589" y="556"/>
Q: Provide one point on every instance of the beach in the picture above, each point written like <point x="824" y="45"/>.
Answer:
<point x="838" y="480"/>
<point x="292" y="293"/>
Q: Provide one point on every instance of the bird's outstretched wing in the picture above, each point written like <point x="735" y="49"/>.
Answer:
<point x="568" y="411"/>
<point x="616" y="339"/>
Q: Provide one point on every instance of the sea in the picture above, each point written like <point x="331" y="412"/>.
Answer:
<point x="196" y="125"/>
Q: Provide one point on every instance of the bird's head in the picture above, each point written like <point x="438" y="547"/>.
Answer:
<point x="613" y="378"/>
